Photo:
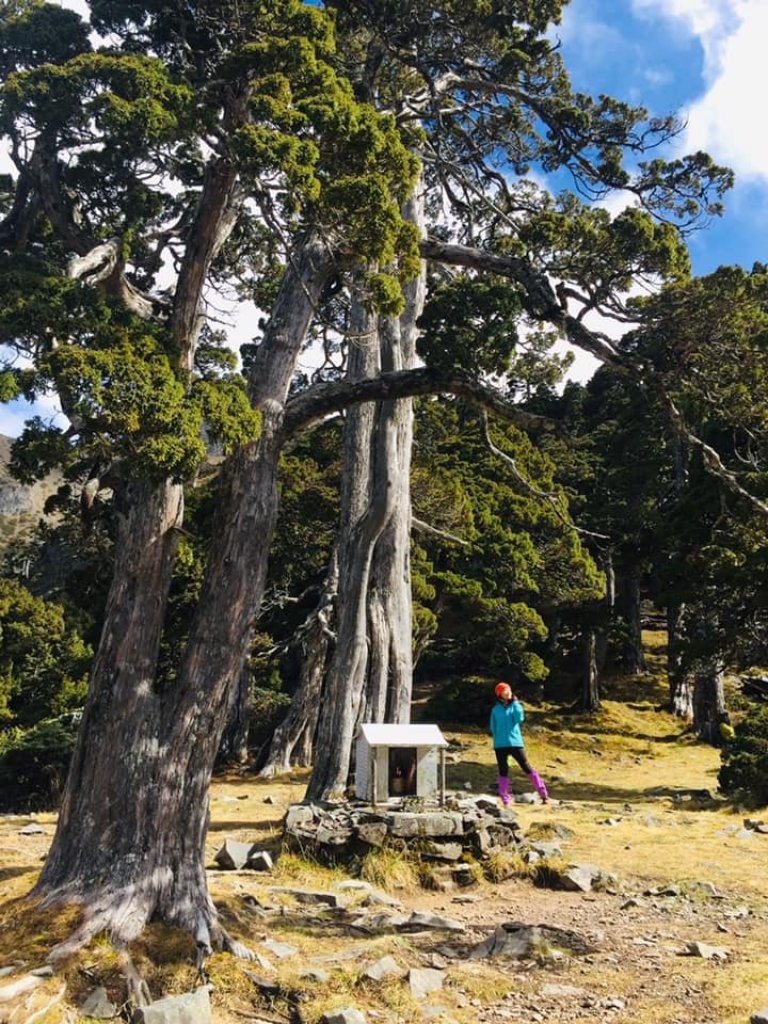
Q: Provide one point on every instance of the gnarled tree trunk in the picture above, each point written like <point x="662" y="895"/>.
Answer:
<point x="293" y="742"/>
<point x="590" y="692"/>
<point x="680" y="678"/>
<point x="632" y="655"/>
<point x="138" y="850"/>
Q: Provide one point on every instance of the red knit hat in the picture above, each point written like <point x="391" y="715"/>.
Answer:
<point x="503" y="690"/>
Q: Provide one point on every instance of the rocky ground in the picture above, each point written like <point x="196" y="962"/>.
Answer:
<point x="680" y="950"/>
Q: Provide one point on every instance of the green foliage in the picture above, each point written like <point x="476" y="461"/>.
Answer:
<point x="34" y="764"/>
<point x="744" y="768"/>
<point x="466" y="700"/>
<point x="43" y="659"/>
<point x="518" y="562"/>
<point x="472" y="324"/>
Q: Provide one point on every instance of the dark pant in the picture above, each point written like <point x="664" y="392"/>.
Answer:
<point x="504" y="753"/>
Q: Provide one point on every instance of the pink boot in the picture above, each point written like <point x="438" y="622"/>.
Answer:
<point x="539" y="785"/>
<point x="503" y="787"/>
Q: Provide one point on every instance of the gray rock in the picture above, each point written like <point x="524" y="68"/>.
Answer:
<point x="33" y="830"/>
<point x="707" y="952"/>
<point x="761" y="1017"/>
<point x="663" y="890"/>
<point x="42" y="972"/>
<point x="349" y="1015"/>
<point x="377" y="898"/>
<point x="233" y="855"/>
<point x="259" y="860"/>
<point x="520" y="941"/>
<point x="385" y="967"/>
<point x="280" y="949"/>
<point x="311" y="896"/>
<point x="381" y="922"/>
<point x="562" y="991"/>
<point x="316" y="974"/>
<point x="434" y="921"/>
<point x="404" y="825"/>
<point x="424" y="980"/>
<point x="374" y="833"/>
<point x="464" y="875"/>
<point x="444" y="851"/>
<point x="99" y="1005"/>
<point x="578" y="877"/>
<point x="547" y="849"/>
<point x="297" y="815"/>
<point x="191" y="1008"/>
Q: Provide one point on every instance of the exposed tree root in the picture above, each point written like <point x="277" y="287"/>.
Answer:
<point x="123" y="917"/>
<point x="40" y="1013"/>
<point x="138" y="990"/>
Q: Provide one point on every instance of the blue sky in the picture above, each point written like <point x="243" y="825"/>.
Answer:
<point x="706" y="61"/>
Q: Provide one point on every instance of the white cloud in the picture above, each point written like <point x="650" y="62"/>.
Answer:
<point x="732" y="35"/>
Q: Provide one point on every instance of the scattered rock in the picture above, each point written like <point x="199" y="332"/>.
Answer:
<point x="99" y="1005"/>
<point x="33" y="830"/>
<point x="280" y="949"/>
<point x="663" y="890"/>
<point x="547" y="850"/>
<point x="259" y="860"/>
<point x="349" y="1015"/>
<point x="576" y="878"/>
<point x="233" y="855"/>
<point x="523" y="941"/>
<point x="562" y="991"/>
<point x="316" y="974"/>
<point x="761" y="1017"/>
<point x="385" y="967"/>
<point x="424" y="980"/>
<point x="190" y="1008"/>
<point x="311" y="896"/>
<point x="707" y="952"/>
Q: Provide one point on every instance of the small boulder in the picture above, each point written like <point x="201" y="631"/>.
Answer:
<point x="99" y="1005"/>
<point x="190" y="1008"/>
<point x="424" y="980"/>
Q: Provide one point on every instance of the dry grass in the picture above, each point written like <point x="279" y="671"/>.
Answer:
<point x="631" y="765"/>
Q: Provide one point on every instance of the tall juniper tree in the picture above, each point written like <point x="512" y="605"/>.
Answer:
<point x="214" y="142"/>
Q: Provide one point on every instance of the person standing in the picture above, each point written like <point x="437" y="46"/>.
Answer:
<point x="507" y="716"/>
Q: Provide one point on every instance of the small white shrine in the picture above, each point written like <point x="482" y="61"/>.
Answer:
<point x="397" y="761"/>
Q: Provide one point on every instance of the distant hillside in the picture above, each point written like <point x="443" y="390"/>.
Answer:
<point x="21" y="507"/>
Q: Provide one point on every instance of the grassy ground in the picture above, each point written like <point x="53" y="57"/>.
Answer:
<point x="628" y="782"/>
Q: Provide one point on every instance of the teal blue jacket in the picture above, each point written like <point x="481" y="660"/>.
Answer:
<point x="505" y="724"/>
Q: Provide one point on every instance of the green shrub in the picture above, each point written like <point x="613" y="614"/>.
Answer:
<point x="744" y="764"/>
<point x="34" y="764"/>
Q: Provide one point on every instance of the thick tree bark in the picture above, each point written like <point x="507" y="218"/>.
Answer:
<point x="680" y="678"/>
<point x="293" y="742"/>
<point x="590" y="692"/>
<point x="390" y="604"/>
<point x="708" y="702"/>
<point x="366" y="503"/>
<point x="137" y="848"/>
<point x="632" y="654"/>
<point x="234" y="740"/>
